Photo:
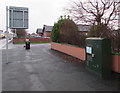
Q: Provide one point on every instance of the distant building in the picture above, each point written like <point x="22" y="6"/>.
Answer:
<point x="84" y="29"/>
<point x="39" y="32"/>
<point x="33" y="35"/>
<point x="47" y="30"/>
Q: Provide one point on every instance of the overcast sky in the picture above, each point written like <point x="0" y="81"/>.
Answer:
<point x="40" y="11"/>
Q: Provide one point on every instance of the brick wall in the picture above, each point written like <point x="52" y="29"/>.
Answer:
<point x="32" y="40"/>
<point x="80" y="54"/>
<point x="48" y="34"/>
<point x="70" y="50"/>
<point x="116" y="63"/>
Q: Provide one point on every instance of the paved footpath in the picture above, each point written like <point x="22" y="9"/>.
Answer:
<point x="38" y="69"/>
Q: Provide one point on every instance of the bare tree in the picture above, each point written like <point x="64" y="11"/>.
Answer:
<point x="94" y="11"/>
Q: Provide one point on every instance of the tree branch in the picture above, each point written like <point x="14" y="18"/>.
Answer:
<point x="114" y="7"/>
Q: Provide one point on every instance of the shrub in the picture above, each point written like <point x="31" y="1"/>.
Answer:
<point x="100" y="30"/>
<point x="105" y="32"/>
<point x="55" y="33"/>
<point x="66" y="31"/>
<point x="92" y="32"/>
<point x="116" y="41"/>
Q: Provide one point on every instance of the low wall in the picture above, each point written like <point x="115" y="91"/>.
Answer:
<point x="80" y="54"/>
<point x="116" y="63"/>
<point x="70" y="50"/>
<point x="32" y="40"/>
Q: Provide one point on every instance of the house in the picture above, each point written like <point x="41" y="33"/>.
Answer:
<point x="33" y="35"/>
<point x="84" y="29"/>
<point x="39" y="32"/>
<point x="47" y="30"/>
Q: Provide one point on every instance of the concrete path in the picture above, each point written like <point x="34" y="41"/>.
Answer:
<point x="38" y="69"/>
<point x="3" y="43"/>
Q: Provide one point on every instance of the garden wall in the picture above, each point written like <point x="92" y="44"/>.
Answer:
<point x="32" y="40"/>
<point x="116" y="63"/>
<point x="70" y="50"/>
<point x="80" y="54"/>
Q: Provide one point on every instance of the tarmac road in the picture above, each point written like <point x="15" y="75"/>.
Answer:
<point x="38" y="69"/>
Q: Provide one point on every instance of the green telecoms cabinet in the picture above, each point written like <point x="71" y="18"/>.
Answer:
<point x="98" y="56"/>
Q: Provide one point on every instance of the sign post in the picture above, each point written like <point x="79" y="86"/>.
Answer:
<point x="6" y="27"/>
<point x="18" y="19"/>
<point x="7" y="33"/>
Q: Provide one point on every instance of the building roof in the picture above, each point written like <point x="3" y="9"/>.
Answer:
<point x="84" y="28"/>
<point x="48" y="28"/>
<point x="39" y="30"/>
<point x="81" y="27"/>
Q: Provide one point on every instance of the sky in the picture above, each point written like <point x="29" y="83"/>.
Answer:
<point x="40" y="12"/>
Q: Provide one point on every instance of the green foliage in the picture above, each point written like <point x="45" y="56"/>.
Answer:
<point x="116" y="41"/>
<point x="66" y="31"/>
<point x="92" y="32"/>
<point x="55" y="30"/>
<point x="105" y="32"/>
<point x="55" y="33"/>
<point x="100" y="30"/>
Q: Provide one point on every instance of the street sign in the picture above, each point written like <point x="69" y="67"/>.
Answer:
<point x="18" y="17"/>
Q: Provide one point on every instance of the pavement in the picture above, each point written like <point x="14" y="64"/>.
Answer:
<point x="3" y="43"/>
<point x="39" y="69"/>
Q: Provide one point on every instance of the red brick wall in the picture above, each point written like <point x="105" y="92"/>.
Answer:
<point x="32" y="40"/>
<point x="80" y="54"/>
<point x="70" y="50"/>
<point x="116" y="63"/>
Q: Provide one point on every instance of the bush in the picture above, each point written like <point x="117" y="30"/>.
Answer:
<point x="116" y="41"/>
<point x="55" y="33"/>
<point x="105" y="32"/>
<point x="66" y="31"/>
<point x="92" y="32"/>
<point x="100" y="30"/>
